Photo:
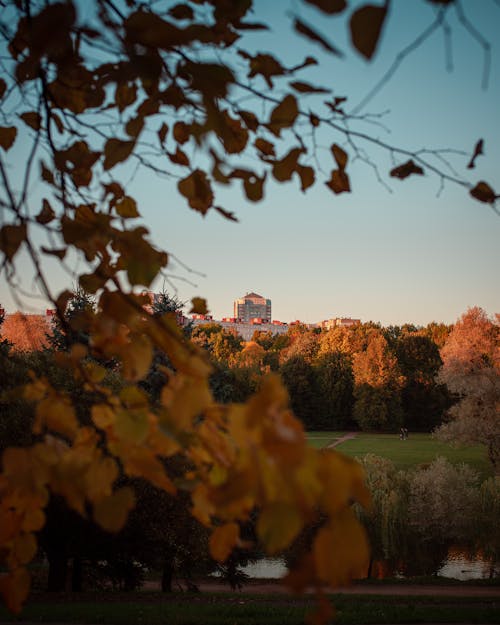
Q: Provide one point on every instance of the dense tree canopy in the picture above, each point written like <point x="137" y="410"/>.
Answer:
<point x="86" y="97"/>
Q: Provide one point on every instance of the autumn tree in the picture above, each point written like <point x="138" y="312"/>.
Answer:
<point x="471" y="370"/>
<point x="25" y="332"/>
<point x="85" y="96"/>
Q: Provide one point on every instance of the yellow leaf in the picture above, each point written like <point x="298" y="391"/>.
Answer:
<point x="278" y="524"/>
<point x="11" y="238"/>
<point x="100" y="477"/>
<point x="111" y="512"/>
<point x="223" y="540"/>
<point x="34" y="520"/>
<point x="341" y="550"/>
<point x="116" y="151"/>
<point x="57" y="413"/>
<point x="186" y="397"/>
<point x="132" y="425"/>
<point x="23" y="549"/>
<point x="141" y="462"/>
<point x="14" y="587"/>
<point x="7" y="137"/>
<point x="103" y="416"/>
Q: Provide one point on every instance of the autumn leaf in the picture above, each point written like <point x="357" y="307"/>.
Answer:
<point x="162" y="133"/>
<point x="340" y="156"/>
<point x="341" y="550"/>
<point x="125" y="95"/>
<point x="305" y="87"/>
<point x="283" y="169"/>
<point x="47" y="214"/>
<point x="3" y="88"/>
<point x="198" y="306"/>
<point x="277" y="525"/>
<point x="112" y="512"/>
<point x="196" y="188"/>
<point x="264" y="64"/>
<point x="223" y="540"/>
<point x="478" y="151"/>
<point x="306" y="175"/>
<point x="11" y="238"/>
<point x="311" y="34"/>
<point x="366" y="26"/>
<point x="14" y="587"/>
<point x="116" y="151"/>
<point x="329" y="6"/>
<point x="7" y="137"/>
<point x="181" y="132"/>
<point x="484" y="193"/>
<point x="179" y="157"/>
<point x="127" y="208"/>
<point x="265" y="147"/>
<point x="406" y="169"/>
<point x="339" y="182"/>
<point x="134" y="126"/>
<point x="283" y="115"/>
<point x="32" y="119"/>
<point x="181" y="12"/>
<point x="254" y="187"/>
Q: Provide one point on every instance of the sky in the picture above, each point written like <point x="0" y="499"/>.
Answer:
<point x="391" y="251"/>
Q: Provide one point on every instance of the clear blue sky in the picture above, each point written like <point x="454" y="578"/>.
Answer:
<point x="394" y="256"/>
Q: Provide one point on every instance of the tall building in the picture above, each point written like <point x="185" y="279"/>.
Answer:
<point x="252" y="306"/>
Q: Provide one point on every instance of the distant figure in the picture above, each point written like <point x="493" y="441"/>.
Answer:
<point x="403" y="434"/>
<point x="406" y="433"/>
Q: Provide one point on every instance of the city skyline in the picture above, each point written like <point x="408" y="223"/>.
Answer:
<point x="391" y="251"/>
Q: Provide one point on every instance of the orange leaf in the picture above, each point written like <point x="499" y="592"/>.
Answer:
<point x="11" y="238"/>
<point x="7" y="137"/>
<point x="15" y="587"/>
<point x="339" y="182"/>
<point x="283" y="170"/>
<point x="340" y="156"/>
<point x="406" y="169"/>
<point x="329" y="6"/>
<point x="305" y="87"/>
<point x="162" y="133"/>
<point x="111" y="512"/>
<point x="278" y="524"/>
<point x="483" y="192"/>
<point x="116" y="151"/>
<point x="179" y="157"/>
<point x="196" y="188"/>
<point x="32" y="119"/>
<point x="134" y="126"/>
<point x="265" y="147"/>
<point x="125" y="95"/>
<point x="222" y="541"/>
<point x="181" y="132"/>
<point x="306" y="176"/>
<point x="47" y="214"/>
<point x="3" y="87"/>
<point x="199" y="306"/>
<point x="127" y="207"/>
<point x="283" y="115"/>
<point x="366" y="25"/>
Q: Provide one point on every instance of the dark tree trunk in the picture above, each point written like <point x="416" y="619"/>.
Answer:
<point x="77" y="575"/>
<point x="58" y="570"/>
<point x="167" y="575"/>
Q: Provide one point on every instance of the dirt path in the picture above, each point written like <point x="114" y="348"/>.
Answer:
<point x="347" y="436"/>
<point x="360" y="588"/>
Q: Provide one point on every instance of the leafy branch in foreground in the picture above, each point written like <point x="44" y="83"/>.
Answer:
<point x="88" y="100"/>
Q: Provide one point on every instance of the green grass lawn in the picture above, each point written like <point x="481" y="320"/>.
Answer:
<point x="243" y="609"/>
<point x="417" y="449"/>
